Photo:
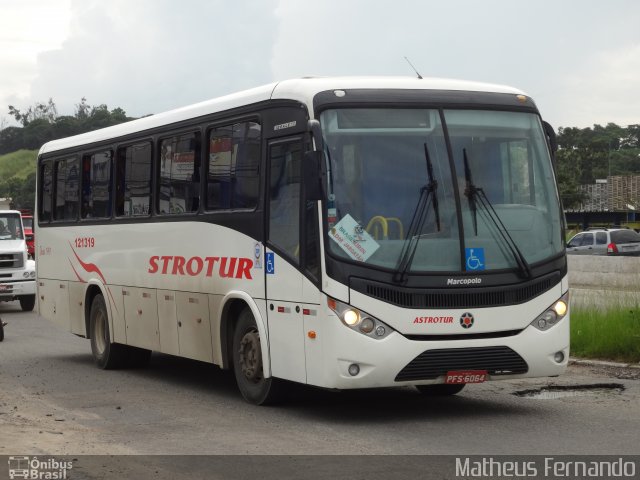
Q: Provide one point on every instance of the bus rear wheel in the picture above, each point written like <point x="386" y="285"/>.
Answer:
<point x="105" y="354"/>
<point x="248" y="366"/>
<point x="440" y="389"/>
<point x="109" y="355"/>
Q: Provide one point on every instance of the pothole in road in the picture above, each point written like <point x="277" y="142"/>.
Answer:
<point x="561" y="391"/>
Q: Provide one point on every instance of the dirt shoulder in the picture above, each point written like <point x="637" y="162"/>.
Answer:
<point x="31" y="425"/>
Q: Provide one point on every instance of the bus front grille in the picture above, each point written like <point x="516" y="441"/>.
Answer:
<point x="455" y="297"/>
<point x="432" y="364"/>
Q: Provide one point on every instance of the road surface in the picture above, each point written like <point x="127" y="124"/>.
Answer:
<point x="53" y="400"/>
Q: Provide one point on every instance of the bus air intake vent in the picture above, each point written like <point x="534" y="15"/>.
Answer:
<point x="432" y="364"/>
<point x="470" y="297"/>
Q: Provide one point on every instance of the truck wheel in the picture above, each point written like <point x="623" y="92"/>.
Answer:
<point x="440" y="389"/>
<point x="107" y="355"/>
<point x="247" y="364"/>
<point x="27" y="302"/>
<point x="1" y="330"/>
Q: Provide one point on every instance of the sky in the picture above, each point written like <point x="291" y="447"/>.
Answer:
<point x="578" y="59"/>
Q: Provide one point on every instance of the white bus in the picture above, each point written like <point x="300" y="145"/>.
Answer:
<point x="337" y="232"/>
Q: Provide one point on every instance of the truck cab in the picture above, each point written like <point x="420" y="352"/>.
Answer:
<point x="17" y="271"/>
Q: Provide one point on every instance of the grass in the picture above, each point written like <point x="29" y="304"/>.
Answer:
<point x="612" y="333"/>
<point x="18" y="164"/>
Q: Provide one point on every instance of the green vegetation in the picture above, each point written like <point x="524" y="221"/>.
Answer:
<point x="611" y="334"/>
<point x="41" y="123"/>
<point x="18" y="164"/>
<point x="18" y="177"/>
<point x="587" y="154"/>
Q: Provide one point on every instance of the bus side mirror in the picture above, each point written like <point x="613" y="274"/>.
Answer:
<point x="316" y="134"/>
<point x="311" y="175"/>
<point x="551" y="136"/>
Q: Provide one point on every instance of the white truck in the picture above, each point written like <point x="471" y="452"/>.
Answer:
<point x="17" y="272"/>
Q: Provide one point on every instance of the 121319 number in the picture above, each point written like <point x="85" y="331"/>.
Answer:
<point x="85" y="242"/>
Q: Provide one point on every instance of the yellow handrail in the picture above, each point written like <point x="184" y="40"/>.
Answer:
<point x="376" y="221"/>
<point x="379" y="222"/>
<point x="400" y="227"/>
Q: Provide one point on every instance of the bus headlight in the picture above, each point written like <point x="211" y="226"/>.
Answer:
<point x="351" y="317"/>
<point x="358" y="320"/>
<point x="553" y="314"/>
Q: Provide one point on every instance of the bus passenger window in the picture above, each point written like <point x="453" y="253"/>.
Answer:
<point x="233" y="168"/>
<point x="96" y="185"/>
<point x="179" y="174"/>
<point x="133" y="180"/>
<point x="66" y="197"/>
<point x="46" y="177"/>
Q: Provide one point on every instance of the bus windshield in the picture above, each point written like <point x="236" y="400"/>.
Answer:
<point x="402" y="196"/>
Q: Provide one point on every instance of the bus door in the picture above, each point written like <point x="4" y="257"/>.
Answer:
<point x="284" y="281"/>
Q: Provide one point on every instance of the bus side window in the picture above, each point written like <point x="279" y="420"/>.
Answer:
<point x="96" y="185"/>
<point x="233" y="168"/>
<point x="180" y="174"/>
<point x="133" y="180"/>
<point x="46" y="177"/>
<point x="67" y="179"/>
<point x="284" y="206"/>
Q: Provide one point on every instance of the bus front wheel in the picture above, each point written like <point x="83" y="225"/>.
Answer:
<point x="440" y="389"/>
<point x="248" y="366"/>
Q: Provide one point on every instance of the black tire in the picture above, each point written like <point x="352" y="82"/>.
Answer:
<point x="440" y="389"/>
<point x="247" y="364"/>
<point x="27" y="302"/>
<point x="107" y="355"/>
<point x="1" y="330"/>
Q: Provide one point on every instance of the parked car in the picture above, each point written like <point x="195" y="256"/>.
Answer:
<point x="605" y="241"/>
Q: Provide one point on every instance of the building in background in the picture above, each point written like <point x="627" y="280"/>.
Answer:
<point x="610" y="201"/>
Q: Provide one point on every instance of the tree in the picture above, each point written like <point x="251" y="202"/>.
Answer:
<point x="37" y="133"/>
<point x="10" y="140"/>
<point x="66" y="126"/>
<point x="82" y="109"/>
<point x="41" y="123"/>
<point x="39" y="111"/>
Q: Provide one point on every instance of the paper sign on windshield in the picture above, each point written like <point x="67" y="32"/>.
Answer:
<point x="353" y="239"/>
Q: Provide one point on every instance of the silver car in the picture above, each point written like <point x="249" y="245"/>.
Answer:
<point x="605" y="241"/>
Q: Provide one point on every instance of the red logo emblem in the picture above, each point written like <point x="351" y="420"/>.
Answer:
<point x="466" y="320"/>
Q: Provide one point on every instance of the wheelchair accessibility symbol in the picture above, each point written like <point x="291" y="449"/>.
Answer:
<point x="270" y="267"/>
<point x="474" y="258"/>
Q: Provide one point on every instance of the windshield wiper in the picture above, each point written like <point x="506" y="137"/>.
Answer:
<point x="473" y="193"/>
<point x="427" y="197"/>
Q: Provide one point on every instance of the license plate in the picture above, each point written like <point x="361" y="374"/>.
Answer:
<point x="466" y="376"/>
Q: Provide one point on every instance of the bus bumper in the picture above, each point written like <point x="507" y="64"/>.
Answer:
<point x="379" y="362"/>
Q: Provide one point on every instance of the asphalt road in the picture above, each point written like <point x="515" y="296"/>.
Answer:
<point x="53" y="400"/>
